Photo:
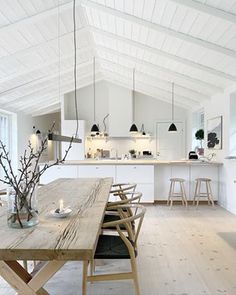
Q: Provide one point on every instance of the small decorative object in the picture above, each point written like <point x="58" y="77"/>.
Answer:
<point x="22" y="188"/>
<point x="199" y="135"/>
<point x="61" y="212"/>
<point x="214" y="133"/>
<point x="132" y="153"/>
<point x="142" y="131"/>
<point x="105" y="133"/>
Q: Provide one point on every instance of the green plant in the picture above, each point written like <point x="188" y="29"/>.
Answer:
<point x="199" y="135"/>
<point x="132" y="152"/>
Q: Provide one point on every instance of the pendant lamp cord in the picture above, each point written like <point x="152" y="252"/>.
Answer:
<point x="59" y="50"/>
<point x="133" y="95"/>
<point x="173" y="87"/>
<point x="75" y="68"/>
<point x="94" y="92"/>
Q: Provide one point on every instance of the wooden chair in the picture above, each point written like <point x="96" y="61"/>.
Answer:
<point x="120" y="188"/>
<point x="173" y="194"/>
<point x="198" y="193"/>
<point x="119" y="246"/>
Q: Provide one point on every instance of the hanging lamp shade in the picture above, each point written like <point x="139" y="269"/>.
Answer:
<point x="133" y="129"/>
<point x="172" y="127"/>
<point x="95" y="129"/>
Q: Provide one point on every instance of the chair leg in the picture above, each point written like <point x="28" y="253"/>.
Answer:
<point x="184" y="194"/>
<point x="25" y="264"/>
<point x="198" y="193"/>
<point x="85" y="274"/>
<point x="135" y="275"/>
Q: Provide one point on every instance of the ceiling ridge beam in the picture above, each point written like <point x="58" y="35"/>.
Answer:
<point x="205" y="84"/>
<point x="159" y="28"/>
<point x="207" y="9"/>
<point x="168" y="89"/>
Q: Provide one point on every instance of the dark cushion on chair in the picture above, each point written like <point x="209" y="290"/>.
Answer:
<point x="112" y="217"/>
<point x="111" y="247"/>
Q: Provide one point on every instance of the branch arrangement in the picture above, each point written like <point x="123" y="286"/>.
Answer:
<point x="28" y="177"/>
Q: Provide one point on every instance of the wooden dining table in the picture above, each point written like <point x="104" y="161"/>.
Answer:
<point x="54" y="241"/>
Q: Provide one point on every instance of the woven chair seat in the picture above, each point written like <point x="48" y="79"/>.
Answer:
<point x="111" y="247"/>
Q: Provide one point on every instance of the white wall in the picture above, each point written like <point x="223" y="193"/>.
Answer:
<point x="220" y="106"/>
<point x="148" y="111"/>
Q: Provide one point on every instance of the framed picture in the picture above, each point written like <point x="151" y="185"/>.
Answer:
<point x="214" y="133"/>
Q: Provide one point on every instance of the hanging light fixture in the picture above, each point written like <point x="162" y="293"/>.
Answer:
<point x="58" y="137"/>
<point x="95" y="128"/>
<point x="133" y="129"/>
<point x="172" y="127"/>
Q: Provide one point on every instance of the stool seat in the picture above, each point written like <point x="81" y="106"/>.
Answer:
<point x="202" y="179"/>
<point x="207" y="194"/>
<point x="181" y="194"/>
<point x="177" y="179"/>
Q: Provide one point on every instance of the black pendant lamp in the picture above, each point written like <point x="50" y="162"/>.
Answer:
<point x="133" y="129"/>
<point x="172" y="127"/>
<point x="95" y="128"/>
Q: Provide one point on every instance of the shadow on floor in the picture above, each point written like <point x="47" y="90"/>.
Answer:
<point x="229" y="238"/>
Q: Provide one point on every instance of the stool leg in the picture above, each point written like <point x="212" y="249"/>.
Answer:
<point x="208" y="193"/>
<point x="211" y="195"/>
<point x="170" y="192"/>
<point x="184" y="194"/>
<point x="195" y="193"/>
<point x="198" y="192"/>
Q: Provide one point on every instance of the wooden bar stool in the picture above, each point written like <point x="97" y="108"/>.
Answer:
<point x="181" y="193"/>
<point x="198" y="193"/>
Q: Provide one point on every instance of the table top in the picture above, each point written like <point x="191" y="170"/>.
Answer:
<point x="72" y="238"/>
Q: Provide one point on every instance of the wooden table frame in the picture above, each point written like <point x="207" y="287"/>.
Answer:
<point x="89" y="201"/>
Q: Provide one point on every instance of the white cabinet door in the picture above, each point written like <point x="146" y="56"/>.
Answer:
<point x="97" y="171"/>
<point x="142" y="175"/>
<point x="135" y="173"/>
<point x="59" y="171"/>
<point x="162" y="181"/>
<point x="147" y="191"/>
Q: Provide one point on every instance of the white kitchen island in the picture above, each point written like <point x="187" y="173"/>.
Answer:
<point x="152" y="176"/>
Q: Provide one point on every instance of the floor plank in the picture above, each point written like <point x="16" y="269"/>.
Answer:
<point x="181" y="252"/>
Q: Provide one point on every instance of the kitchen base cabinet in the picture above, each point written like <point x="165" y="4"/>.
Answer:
<point x="142" y="175"/>
<point x="58" y="171"/>
<point x="97" y="171"/>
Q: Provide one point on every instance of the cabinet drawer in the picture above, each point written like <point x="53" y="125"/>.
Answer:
<point x="97" y="171"/>
<point x="135" y="173"/>
<point x="58" y="171"/>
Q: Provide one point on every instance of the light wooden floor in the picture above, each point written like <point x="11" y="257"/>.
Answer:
<point x="181" y="252"/>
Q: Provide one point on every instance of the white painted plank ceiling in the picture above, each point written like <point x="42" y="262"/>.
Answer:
<point x="189" y="42"/>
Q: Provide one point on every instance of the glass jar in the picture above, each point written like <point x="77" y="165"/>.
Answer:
<point x="22" y="208"/>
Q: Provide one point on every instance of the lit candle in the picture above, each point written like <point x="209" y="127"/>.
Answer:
<point x="61" y="205"/>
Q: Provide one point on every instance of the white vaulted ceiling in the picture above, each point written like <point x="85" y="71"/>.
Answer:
<point x="189" y="42"/>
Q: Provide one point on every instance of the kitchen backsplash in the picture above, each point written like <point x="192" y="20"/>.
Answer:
<point x="120" y="147"/>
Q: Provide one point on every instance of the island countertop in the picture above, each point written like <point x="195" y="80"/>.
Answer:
<point x="140" y="162"/>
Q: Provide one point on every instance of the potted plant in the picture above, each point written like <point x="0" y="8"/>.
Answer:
<point x="22" y="186"/>
<point x="132" y="153"/>
<point x="199" y="135"/>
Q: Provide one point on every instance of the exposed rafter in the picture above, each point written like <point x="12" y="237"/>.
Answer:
<point x="191" y="95"/>
<point x="161" y="29"/>
<point x="196" y="83"/>
<point x="210" y="10"/>
<point x="145" y="89"/>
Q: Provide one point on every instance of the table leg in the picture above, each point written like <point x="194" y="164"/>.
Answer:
<point x="23" y="282"/>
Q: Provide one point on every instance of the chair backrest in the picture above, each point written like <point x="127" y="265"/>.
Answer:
<point x="127" y="221"/>
<point x="123" y="187"/>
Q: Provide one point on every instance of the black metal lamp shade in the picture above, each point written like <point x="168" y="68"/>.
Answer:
<point x="133" y="128"/>
<point x="95" y="129"/>
<point x="172" y="128"/>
